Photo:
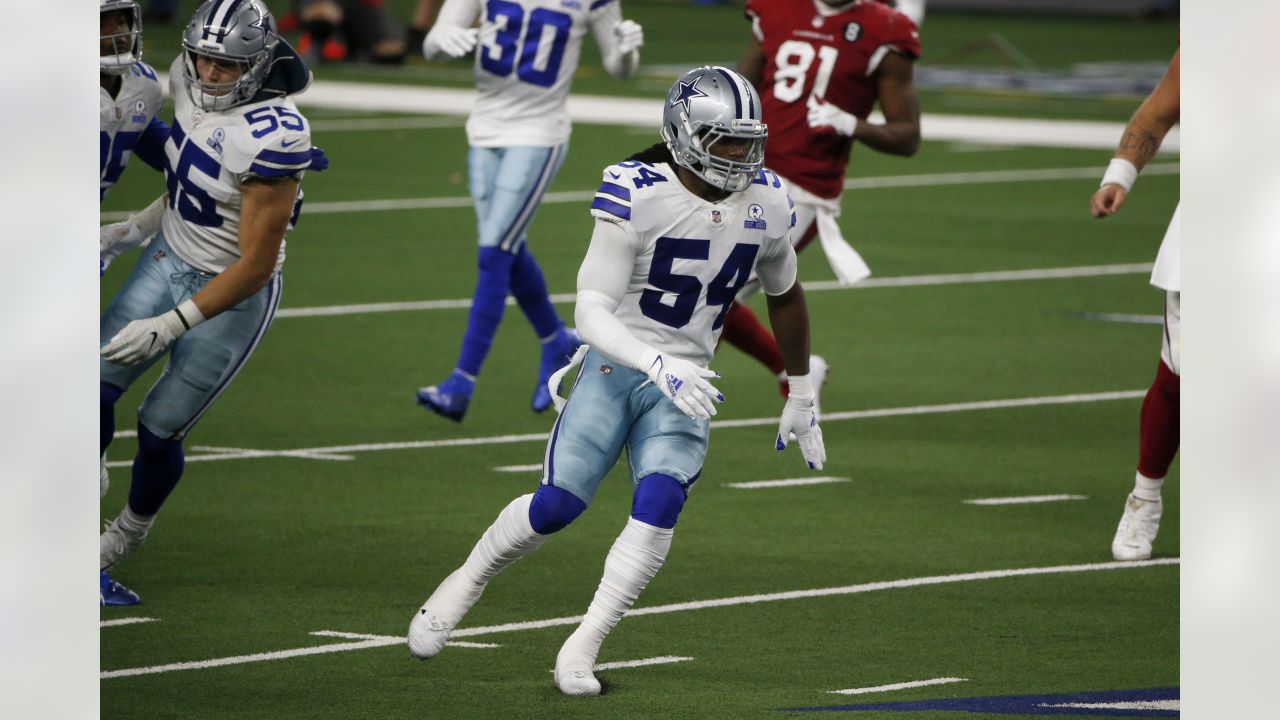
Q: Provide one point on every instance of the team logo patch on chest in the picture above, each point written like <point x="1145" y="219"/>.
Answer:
<point x="756" y="221"/>
<point x="140" y="112"/>
<point x="215" y="140"/>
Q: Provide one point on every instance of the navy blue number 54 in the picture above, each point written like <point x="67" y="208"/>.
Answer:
<point x="720" y="291"/>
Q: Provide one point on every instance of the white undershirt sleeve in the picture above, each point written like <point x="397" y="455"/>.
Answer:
<point x="603" y="20"/>
<point x="454" y="14"/>
<point x="602" y="283"/>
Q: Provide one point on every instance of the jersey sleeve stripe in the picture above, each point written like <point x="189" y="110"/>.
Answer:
<point x="600" y="3"/>
<point x="274" y="172"/>
<point x="302" y="157"/>
<point x="617" y="191"/>
<point x="611" y="207"/>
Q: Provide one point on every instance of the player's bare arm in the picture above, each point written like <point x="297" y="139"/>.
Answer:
<point x="267" y="206"/>
<point x="1142" y="137"/>
<point x="900" y="133"/>
<point x="751" y="64"/>
<point x="789" y="318"/>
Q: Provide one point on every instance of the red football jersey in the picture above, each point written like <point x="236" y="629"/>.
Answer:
<point x="833" y="57"/>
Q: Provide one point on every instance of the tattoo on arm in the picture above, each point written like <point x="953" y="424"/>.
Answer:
<point x="1139" y="146"/>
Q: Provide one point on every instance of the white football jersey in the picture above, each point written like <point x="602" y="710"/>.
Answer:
<point x="693" y="255"/>
<point x="123" y="120"/>
<point x="209" y="155"/>
<point x="524" y="65"/>
<point x="1167" y="273"/>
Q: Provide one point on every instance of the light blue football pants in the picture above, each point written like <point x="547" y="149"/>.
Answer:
<point x="612" y="406"/>
<point x="507" y="185"/>
<point x="202" y="361"/>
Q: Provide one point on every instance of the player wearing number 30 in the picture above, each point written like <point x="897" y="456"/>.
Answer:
<point x="209" y="283"/>
<point x="679" y="228"/>
<point x="526" y="52"/>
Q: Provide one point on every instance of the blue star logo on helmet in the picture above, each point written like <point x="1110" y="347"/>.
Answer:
<point x="685" y="92"/>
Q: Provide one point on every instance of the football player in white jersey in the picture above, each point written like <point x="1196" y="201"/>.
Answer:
<point x="233" y="164"/>
<point x="128" y="99"/>
<point x="1158" y="427"/>
<point x="679" y="229"/>
<point x="518" y="132"/>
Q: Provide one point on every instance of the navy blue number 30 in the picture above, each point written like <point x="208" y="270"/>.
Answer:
<point x="522" y="58"/>
<point x="721" y="291"/>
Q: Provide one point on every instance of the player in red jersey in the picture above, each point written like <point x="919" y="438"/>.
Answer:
<point x="821" y="66"/>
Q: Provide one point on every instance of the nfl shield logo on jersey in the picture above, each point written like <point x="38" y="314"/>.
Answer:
<point x="716" y="217"/>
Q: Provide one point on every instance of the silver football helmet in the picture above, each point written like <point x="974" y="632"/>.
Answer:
<point x="706" y="107"/>
<point x="238" y="31"/>
<point x="126" y="47"/>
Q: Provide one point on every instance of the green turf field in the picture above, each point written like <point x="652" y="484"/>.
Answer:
<point x="256" y="552"/>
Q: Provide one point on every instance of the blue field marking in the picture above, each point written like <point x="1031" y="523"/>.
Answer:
<point x="1111" y="703"/>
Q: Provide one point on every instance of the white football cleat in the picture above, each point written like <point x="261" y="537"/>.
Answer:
<point x="440" y="614"/>
<point x="104" y="481"/>
<point x="116" y="543"/>
<point x="817" y="375"/>
<point x="1138" y="527"/>
<point x="574" y="675"/>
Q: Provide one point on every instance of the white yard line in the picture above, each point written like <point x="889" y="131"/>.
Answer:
<point x="1025" y="500"/>
<point x="1123" y="318"/>
<point x="1128" y="705"/>
<point x="126" y="621"/>
<point x="790" y="482"/>
<point x="715" y="424"/>
<point x="865" y="183"/>
<point x="1060" y="273"/>
<point x="603" y="110"/>
<point x="373" y="124"/>
<point x="899" y="686"/>
<point x="246" y="452"/>
<point x="386" y="640"/>
<point x="536" y="467"/>
<point x="624" y="664"/>
<point x="366" y="636"/>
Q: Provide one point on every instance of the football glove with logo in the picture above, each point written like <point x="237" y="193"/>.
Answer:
<point x="143" y="339"/>
<point x="118" y="238"/>
<point x="799" y="419"/>
<point x="685" y="383"/>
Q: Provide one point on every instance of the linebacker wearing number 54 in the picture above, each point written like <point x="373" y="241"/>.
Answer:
<point x="208" y="285"/>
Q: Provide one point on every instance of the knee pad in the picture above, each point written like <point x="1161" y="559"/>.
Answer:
<point x="553" y="508"/>
<point x="657" y="500"/>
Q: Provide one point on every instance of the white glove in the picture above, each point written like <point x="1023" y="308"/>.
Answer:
<point x="115" y="239"/>
<point x="143" y="339"/>
<point x="452" y="40"/>
<point x="800" y="419"/>
<point x="629" y="36"/>
<point x="683" y="382"/>
<point x="824" y="114"/>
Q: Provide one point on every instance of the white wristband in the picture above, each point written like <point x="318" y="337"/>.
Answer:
<point x="189" y="313"/>
<point x="800" y="386"/>
<point x="1120" y="172"/>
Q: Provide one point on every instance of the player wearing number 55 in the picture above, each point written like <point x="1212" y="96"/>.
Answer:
<point x="679" y="228"/>
<point x="525" y="56"/>
<point x="208" y="285"/>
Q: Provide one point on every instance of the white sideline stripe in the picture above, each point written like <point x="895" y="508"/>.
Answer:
<point x="601" y="110"/>
<point x="126" y="621"/>
<point x="365" y="124"/>
<point x="519" y="468"/>
<point x="384" y="641"/>
<point x="898" y="686"/>
<point x="867" y="183"/>
<point x="126" y="433"/>
<point x="1028" y="499"/>
<point x="283" y="453"/>
<point x="822" y="285"/>
<point x="1123" y="318"/>
<point x="390" y="638"/>
<point x="746" y="422"/>
<point x="790" y="482"/>
<point x="623" y="664"/>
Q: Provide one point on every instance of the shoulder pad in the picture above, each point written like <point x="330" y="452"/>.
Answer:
<point x="270" y="140"/>
<point x="613" y="198"/>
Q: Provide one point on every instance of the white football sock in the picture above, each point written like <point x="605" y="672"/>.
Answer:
<point x="636" y="556"/>
<point x="135" y="523"/>
<point x="508" y="539"/>
<point x="1145" y="488"/>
